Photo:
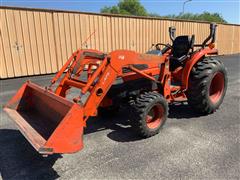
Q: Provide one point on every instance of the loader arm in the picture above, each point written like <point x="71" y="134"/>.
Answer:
<point x="99" y="83"/>
<point x="52" y="123"/>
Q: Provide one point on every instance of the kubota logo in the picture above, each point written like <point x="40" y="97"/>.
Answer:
<point x="122" y="57"/>
<point x="105" y="78"/>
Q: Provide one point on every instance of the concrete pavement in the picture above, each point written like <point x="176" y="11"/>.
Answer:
<point x="188" y="147"/>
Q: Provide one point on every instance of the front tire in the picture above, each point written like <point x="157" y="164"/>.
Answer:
<point x="148" y="113"/>
<point x="207" y="85"/>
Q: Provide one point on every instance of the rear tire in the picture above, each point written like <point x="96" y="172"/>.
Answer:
<point x="207" y="85"/>
<point x="148" y="113"/>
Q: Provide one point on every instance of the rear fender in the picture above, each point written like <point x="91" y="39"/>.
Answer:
<point x="189" y="65"/>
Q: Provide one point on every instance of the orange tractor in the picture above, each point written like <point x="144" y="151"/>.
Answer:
<point x="146" y="83"/>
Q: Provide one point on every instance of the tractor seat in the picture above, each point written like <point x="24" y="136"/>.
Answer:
<point x="181" y="47"/>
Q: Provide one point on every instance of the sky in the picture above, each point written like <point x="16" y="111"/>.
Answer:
<point x="229" y="9"/>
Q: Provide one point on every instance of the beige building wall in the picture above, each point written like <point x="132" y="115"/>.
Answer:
<point x="34" y="41"/>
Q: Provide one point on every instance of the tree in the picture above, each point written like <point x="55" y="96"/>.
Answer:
<point x="205" y="16"/>
<point x="134" y="7"/>
<point x="111" y="10"/>
<point x="127" y="7"/>
<point x="154" y="15"/>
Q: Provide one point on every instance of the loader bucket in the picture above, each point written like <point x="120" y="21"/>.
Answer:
<point x="51" y="123"/>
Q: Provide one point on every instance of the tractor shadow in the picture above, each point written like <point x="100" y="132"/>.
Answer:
<point x="182" y="111"/>
<point x="18" y="159"/>
<point x="121" y="130"/>
<point x="119" y="125"/>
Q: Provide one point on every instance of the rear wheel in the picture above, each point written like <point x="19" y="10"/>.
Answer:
<point x="207" y="85"/>
<point x="148" y="113"/>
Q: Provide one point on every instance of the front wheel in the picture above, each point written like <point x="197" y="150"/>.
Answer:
<point x="148" y="113"/>
<point x="207" y="85"/>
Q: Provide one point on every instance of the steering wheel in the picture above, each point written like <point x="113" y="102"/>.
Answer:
<point x="166" y="45"/>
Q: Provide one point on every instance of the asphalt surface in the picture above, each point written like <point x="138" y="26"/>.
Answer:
<point x="188" y="147"/>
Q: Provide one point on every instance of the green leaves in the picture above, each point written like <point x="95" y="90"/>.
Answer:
<point x="126" y="7"/>
<point x="205" y="16"/>
<point x="134" y="7"/>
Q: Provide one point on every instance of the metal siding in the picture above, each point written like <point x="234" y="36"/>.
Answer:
<point x="62" y="37"/>
<point x="27" y="44"/>
<point x="13" y="43"/>
<point x="236" y="42"/>
<point x="68" y="38"/>
<point x="6" y="57"/>
<point x="34" y="61"/>
<point x="72" y="26"/>
<point x="19" y="35"/>
<point x="77" y="30"/>
<point x="45" y="39"/>
<point x="58" y="45"/>
<point x="85" y="32"/>
<point x="39" y="42"/>
<point x="108" y="34"/>
<point x="39" y="38"/>
<point x="3" y="70"/>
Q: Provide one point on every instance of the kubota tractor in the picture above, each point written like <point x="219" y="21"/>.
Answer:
<point x="146" y="83"/>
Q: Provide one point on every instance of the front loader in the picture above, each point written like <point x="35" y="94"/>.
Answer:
<point x="146" y="83"/>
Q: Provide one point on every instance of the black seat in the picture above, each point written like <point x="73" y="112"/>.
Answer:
<point x="181" y="47"/>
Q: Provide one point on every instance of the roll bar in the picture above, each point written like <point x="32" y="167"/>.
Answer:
<point x="212" y="35"/>
<point x="172" y="32"/>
